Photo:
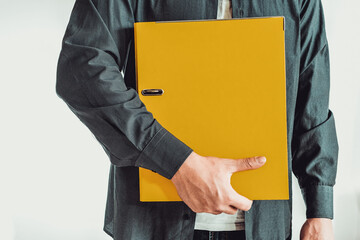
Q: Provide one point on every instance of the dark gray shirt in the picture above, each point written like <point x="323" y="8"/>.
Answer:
<point x="99" y="42"/>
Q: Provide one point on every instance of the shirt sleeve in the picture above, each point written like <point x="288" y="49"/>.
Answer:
<point x="89" y="79"/>
<point x="314" y="146"/>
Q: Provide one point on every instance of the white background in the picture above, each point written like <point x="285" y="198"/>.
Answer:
<point x="53" y="175"/>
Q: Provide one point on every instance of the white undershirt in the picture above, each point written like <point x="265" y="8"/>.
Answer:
<point x="222" y="221"/>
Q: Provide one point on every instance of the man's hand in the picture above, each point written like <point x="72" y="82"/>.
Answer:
<point x="317" y="229"/>
<point x="203" y="183"/>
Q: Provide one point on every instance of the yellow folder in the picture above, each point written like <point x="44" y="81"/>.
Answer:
<point x="220" y="87"/>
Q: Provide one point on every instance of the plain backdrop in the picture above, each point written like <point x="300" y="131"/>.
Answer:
<point x="53" y="174"/>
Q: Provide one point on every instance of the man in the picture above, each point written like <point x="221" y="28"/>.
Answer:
<point x="98" y="44"/>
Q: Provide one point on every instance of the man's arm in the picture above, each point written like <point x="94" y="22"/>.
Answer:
<point x="314" y="146"/>
<point x="89" y="80"/>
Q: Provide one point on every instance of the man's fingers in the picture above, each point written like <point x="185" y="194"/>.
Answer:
<point x="230" y="210"/>
<point x="238" y="201"/>
<point x="247" y="163"/>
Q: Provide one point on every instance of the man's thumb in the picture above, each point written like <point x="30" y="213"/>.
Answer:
<point x="249" y="163"/>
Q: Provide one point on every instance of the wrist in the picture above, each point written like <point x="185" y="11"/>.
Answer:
<point x="185" y="165"/>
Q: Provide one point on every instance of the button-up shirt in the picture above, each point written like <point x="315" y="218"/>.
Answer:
<point x="96" y="78"/>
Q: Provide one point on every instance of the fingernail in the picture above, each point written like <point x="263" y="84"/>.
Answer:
<point x="261" y="160"/>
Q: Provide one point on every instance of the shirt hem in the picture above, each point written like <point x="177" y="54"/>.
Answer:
<point x="108" y="232"/>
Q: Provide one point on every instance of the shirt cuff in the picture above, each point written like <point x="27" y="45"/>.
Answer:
<point x="318" y="201"/>
<point x="164" y="154"/>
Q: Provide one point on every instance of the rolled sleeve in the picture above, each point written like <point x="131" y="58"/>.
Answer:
<point x="314" y="146"/>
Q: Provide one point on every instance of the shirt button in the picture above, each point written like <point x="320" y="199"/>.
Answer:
<point x="186" y="216"/>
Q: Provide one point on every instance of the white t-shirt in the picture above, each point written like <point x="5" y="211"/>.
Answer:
<point x="222" y="221"/>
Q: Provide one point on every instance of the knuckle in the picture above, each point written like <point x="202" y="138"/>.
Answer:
<point x="218" y="207"/>
<point x="249" y="162"/>
<point x="226" y="199"/>
<point x="247" y="206"/>
<point x="231" y="201"/>
<point x="232" y="212"/>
